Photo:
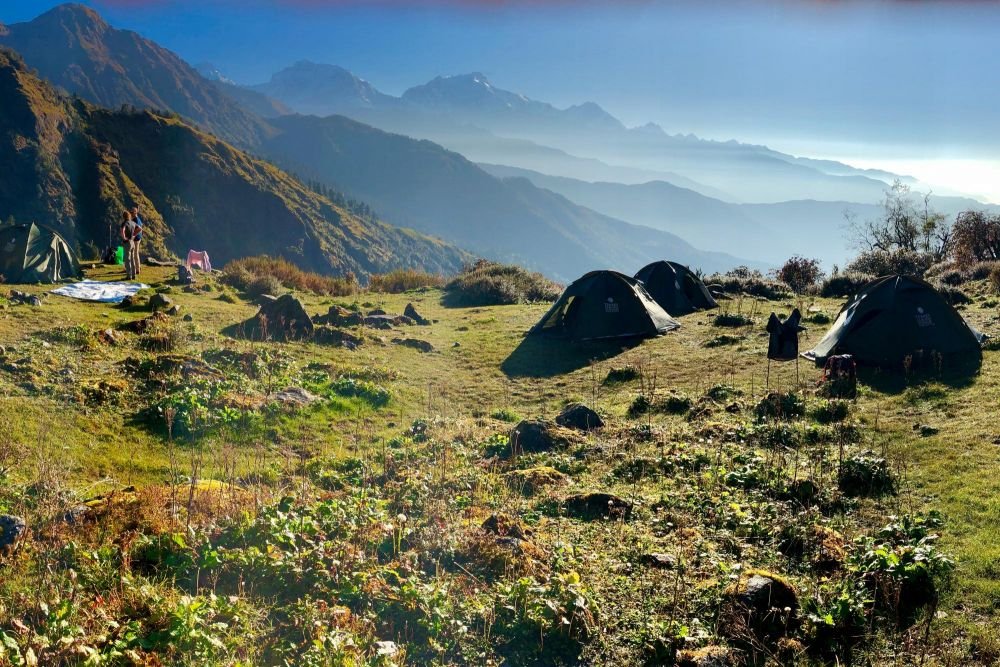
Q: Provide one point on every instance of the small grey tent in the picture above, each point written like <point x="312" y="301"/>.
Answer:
<point x="31" y="253"/>
<point x="894" y="317"/>
<point x="675" y="288"/>
<point x="602" y="305"/>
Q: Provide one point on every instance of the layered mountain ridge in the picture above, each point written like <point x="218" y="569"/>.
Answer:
<point x="468" y="206"/>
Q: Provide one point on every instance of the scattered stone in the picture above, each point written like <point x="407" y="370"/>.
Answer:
<point x="295" y="397"/>
<point x="660" y="561"/>
<point x="532" y="436"/>
<point x="108" y="337"/>
<point x="23" y="298"/>
<point x="506" y="526"/>
<point x="598" y="505"/>
<point x="580" y="417"/>
<point x="11" y="531"/>
<point x="190" y="289"/>
<point x="282" y="319"/>
<point x="380" y="321"/>
<point x="174" y="310"/>
<point x="129" y="302"/>
<point x="412" y="313"/>
<point x="184" y="275"/>
<point x="926" y="430"/>
<point x="329" y="336"/>
<point x="386" y="649"/>
<point x="188" y="317"/>
<point x="532" y="480"/>
<point x="376" y="312"/>
<point x="415" y="343"/>
<point x="759" y="607"/>
<point x="707" y="656"/>
<point x="339" y="316"/>
<point x="145" y="324"/>
<point x="456" y="344"/>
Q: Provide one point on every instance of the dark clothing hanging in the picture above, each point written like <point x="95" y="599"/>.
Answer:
<point x="783" y="345"/>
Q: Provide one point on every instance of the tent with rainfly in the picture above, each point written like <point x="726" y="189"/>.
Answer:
<point x="894" y="317"/>
<point x="31" y="253"/>
<point x="603" y="305"/>
<point x="675" y="287"/>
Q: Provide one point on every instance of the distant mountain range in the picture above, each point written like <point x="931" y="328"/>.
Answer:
<point x="449" y="110"/>
<point x="411" y="182"/>
<point x="74" y="166"/>
<point x="421" y="185"/>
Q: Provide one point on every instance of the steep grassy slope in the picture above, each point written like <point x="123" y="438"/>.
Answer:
<point x="74" y="48"/>
<point x="195" y="190"/>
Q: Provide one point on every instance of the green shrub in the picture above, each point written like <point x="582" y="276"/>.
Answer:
<point x="882" y="263"/>
<point x="403" y="280"/>
<point x="844" y="284"/>
<point x="778" y="405"/>
<point x="742" y="280"/>
<point x="640" y="406"/>
<point x="722" y="340"/>
<point x="488" y="283"/>
<point x="953" y="295"/>
<point x="994" y="278"/>
<point x="800" y="273"/>
<point x="621" y="375"/>
<point x="240" y="273"/>
<point x="505" y="415"/>
<point x="817" y="318"/>
<point x="830" y="411"/>
<point x="865" y="474"/>
<point x="265" y="284"/>
<point x="675" y="404"/>
<point x="731" y="320"/>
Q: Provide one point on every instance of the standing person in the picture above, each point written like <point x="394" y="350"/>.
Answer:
<point x="128" y="232"/>
<point x="136" y="266"/>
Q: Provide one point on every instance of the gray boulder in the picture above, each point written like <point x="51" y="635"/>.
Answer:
<point x="11" y="531"/>
<point x="160" y="302"/>
<point x="580" y="417"/>
<point x="285" y="318"/>
<point x="412" y="313"/>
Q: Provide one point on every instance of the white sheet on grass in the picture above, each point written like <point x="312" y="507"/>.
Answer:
<point x="95" y="290"/>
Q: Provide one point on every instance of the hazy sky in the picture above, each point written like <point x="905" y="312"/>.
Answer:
<point x="908" y="84"/>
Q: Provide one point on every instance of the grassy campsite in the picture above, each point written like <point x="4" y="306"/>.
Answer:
<point x="384" y="492"/>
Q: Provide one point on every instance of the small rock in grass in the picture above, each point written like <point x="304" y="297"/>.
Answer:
<point x="759" y="607"/>
<point x="159" y="302"/>
<point x="412" y="313"/>
<point x="597" y="505"/>
<point x="11" y="530"/>
<point x="535" y="435"/>
<point x="415" y="343"/>
<point x="660" y="561"/>
<point x="579" y="417"/>
<point x="707" y="656"/>
<point x="295" y="396"/>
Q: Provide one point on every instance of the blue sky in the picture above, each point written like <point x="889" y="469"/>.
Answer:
<point x="894" y="83"/>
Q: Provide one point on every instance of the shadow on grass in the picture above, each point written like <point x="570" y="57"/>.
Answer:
<point x="954" y="372"/>
<point x="541" y="356"/>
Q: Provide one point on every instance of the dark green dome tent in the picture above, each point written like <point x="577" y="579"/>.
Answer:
<point x="675" y="287"/>
<point x="605" y="304"/>
<point x="31" y="253"/>
<point x="894" y="317"/>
